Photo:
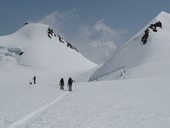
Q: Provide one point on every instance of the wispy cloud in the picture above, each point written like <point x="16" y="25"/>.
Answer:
<point x="58" y="20"/>
<point x="107" y="32"/>
<point x="99" y="40"/>
<point x="96" y="41"/>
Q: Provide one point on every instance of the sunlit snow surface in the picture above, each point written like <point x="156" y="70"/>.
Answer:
<point x="139" y="98"/>
<point x="141" y="60"/>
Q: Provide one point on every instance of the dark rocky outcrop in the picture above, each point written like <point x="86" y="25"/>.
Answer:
<point x="50" y="32"/>
<point x="60" y="38"/>
<point x="71" y="46"/>
<point x="145" y="36"/>
<point x="152" y="27"/>
<point x="25" y="23"/>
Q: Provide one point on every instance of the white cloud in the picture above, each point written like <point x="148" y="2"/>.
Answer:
<point x="96" y="41"/>
<point x="100" y="40"/>
<point x="106" y="31"/>
<point x="58" y="20"/>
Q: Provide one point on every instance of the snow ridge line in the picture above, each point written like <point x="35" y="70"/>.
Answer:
<point x="25" y="121"/>
<point x="108" y="73"/>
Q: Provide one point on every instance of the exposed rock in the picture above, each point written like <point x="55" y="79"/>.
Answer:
<point x="25" y="23"/>
<point x="71" y="46"/>
<point x="153" y="27"/>
<point x="145" y="36"/>
<point x="50" y="32"/>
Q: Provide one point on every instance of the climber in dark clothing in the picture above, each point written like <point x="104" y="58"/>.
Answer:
<point x="61" y="84"/>
<point x="70" y="82"/>
<point x="34" y="79"/>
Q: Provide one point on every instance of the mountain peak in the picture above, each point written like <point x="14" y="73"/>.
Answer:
<point x="150" y="46"/>
<point x="162" y="16"/>
<point x="36" y="45"/>
<point x="32" y="30"/>
<point x="163" y="13"/>
<point x="37" y="31"/>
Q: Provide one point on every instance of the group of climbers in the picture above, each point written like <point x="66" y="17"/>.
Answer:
<point x="61" y="84"/>
<point x="69" y="83"/>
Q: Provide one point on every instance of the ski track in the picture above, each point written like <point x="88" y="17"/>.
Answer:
<point x="111" y="105"/>
<point x="23" y="122"/>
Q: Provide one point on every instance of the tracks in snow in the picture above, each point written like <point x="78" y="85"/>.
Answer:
<point x="25" y="121"/>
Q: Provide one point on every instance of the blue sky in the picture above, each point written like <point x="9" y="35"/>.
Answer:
<point x="106" y="23"/>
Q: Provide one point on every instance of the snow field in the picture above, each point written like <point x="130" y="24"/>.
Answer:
<point x="128" y="103"/>
<point x="23" y="122"/>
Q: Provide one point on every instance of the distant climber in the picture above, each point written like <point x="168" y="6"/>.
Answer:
<point x="34" y="79"/>
<point x="70" y="82"/>
<point x="61" y="84"/>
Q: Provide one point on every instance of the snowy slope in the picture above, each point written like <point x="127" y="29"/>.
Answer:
<point x="139" y="59"/>
<point x="136" y="103"/>
<point x="129" y="103"/>
<point x="28" y="52"/>
<point x="42" y="52"/>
